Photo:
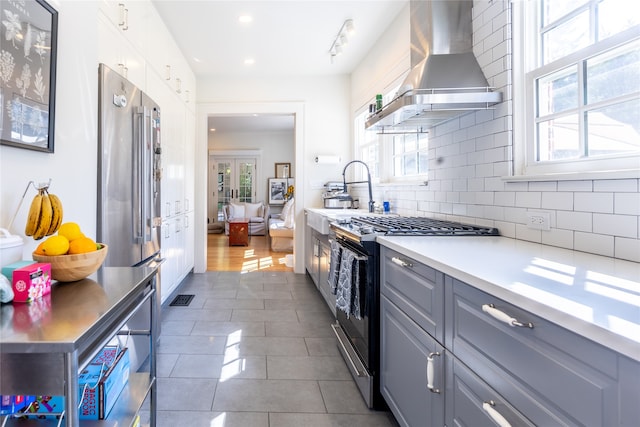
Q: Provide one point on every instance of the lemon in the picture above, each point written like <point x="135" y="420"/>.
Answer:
<point x="54" y="245"/>
<point x="82" y="245"/>
<point x="70" y="230"/>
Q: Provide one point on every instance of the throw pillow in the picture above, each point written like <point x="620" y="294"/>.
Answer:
<point x="289" y="220"/>
<point x="253" y="209"/>
<point x="236" y="211"/>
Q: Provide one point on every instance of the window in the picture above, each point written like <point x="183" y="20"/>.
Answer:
<point x="405" y="155"/>
<point x="580" y="60"/>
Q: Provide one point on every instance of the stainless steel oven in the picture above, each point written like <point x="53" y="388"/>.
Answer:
<point x="358" y="338"/>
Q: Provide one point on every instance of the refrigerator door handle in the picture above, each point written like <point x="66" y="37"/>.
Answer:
<point x="138" y="205"/>
<point x="147" y="167"/>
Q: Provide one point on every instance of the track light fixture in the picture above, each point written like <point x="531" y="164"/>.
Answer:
<point x="342" y="38"/>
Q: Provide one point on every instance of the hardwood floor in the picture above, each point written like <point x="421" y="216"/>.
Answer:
<point x="255" y="257"/>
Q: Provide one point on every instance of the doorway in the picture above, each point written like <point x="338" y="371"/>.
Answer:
<point x="231" y="180"/>
<point x="206" y="110"/>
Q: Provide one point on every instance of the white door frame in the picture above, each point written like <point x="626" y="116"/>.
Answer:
<point x="204" y="110"/>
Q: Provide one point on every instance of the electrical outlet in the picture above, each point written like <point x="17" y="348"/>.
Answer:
<point x="539" y="220"/>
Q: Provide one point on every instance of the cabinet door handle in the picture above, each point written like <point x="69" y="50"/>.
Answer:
<point x="401" y="262"/>
<point x="430" y="372"/>
<point x="504" y="317"/>
<point x="495" y="415"/>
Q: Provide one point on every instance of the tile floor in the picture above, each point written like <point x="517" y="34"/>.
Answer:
<point x="255" y="350"/>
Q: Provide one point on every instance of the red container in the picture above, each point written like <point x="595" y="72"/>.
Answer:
<point x="31" y="282"/>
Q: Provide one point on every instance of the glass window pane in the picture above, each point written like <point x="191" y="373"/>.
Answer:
<point x="423" y="163"/>
<point x="554" y="9"/>
<point x="423" y="142"/>
<point x="614" y="73"/>
<point x="558" y="92"/>
<point x="615" y="16"/>
<point x="614" y="129"/>
<point x="559" y="139"/>
<point x="566" y="38"/>
<point x="398" y="144"/>
<point x="410" y="143"/>
<point x="410" y="164"/>
<point x="397" y="166"/>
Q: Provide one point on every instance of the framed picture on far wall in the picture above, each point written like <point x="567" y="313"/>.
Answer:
<point x="277" y="190"/>
<point x="28" y="74"/>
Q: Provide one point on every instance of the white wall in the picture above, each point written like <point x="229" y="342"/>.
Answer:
<point x="595" y="216"/>
<point x="72" y="167"/>
<point x="275" y="147"/>
<point x="323" y="126"/>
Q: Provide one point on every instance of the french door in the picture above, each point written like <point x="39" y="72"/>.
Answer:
<point x="235" y="182"/>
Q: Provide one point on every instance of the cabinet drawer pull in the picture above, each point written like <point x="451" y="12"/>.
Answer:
<point x="504" y="317"/>
<point x="495" y="415"/>
<point x="401" y="262"/>
<point x="430" y="373"/>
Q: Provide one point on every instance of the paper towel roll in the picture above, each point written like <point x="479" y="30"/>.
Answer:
<point x="327" y="160"/>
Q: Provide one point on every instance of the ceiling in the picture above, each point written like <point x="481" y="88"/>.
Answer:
<point x="285" y="38"/>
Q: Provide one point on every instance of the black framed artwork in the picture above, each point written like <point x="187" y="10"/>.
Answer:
<point x="28" y="74"/>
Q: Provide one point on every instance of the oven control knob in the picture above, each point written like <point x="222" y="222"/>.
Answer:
<point x="366" y="229"/>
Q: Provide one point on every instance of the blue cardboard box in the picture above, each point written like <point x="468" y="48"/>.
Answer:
<point x="104" y="383"/>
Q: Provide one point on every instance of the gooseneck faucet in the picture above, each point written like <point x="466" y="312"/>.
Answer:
<point x="368" y="181"/>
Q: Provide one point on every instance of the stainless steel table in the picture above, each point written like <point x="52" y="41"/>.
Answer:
<point x="44" y="345"/>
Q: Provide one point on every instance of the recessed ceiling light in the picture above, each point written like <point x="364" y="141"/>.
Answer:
<point x="212" y="130"/>
<point x="197" y="59"/>
<point x="245" y="19"/>
<point x="249" y="61"/>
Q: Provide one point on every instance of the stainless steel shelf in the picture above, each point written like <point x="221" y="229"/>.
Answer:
<point x="44" y="356"/>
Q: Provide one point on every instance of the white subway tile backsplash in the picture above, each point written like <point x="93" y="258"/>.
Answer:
<point x="505" y="198"/>
<point x="528" y="234"/>
<point x="530" y="199"/>
<point x="543" y="186"/>
<point x="579" y="221"/>
<point x="484" y="170"/>
<point x="593" y="202"/>
<point x="515" y="215"/>
<point x="558" y="237"/>
<point x="494" y="183"/>
<point x="615" y="225"/>
<point x="626" y="203"/>
<point x="484" y="198"/>
<point x="507" y="229"/>
<point x="593" y="243"/>
<point x="575" y="185"/>
<point x="616" y="185"/>
<point x="557" y="200"/>
<point x="494" y="213"/>
<point x="628" y="249"/>
<point x="475" y="184"/>
<point x="501" y="169"/>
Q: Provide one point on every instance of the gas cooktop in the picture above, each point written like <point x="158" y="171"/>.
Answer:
<point x="368" y="227"/>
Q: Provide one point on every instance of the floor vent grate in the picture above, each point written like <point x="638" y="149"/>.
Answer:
<point x="182" y="300"/>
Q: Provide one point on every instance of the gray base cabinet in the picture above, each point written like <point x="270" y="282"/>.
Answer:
<point x="491" y="362"/>
<point x="317" y="260"/>
<point x="405" y="351"/>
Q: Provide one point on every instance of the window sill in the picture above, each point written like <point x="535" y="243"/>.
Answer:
<point x="576" y="176"/>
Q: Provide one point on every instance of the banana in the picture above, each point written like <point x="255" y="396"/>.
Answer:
<point x="34" y="215"/>
<point x="56" y="206"/>
<point x="46" y="215"/>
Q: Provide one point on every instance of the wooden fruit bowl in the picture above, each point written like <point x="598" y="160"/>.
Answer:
<point x="69" y="268"/>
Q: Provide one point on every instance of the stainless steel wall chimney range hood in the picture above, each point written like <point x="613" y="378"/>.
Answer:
<point x="445" y="80"/>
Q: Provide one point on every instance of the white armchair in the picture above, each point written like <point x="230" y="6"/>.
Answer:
<point x="256" y="213"/>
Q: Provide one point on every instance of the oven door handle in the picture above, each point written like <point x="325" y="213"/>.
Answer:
<point x="337" y="329"/>
<point x="401" y="262"/>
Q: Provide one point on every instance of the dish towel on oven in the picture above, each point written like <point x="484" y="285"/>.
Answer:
<point x="334" y="266"/>
<point x="349" y="283"/>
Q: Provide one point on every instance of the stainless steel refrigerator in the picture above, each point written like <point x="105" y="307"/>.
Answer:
<point x="129" y="178"/>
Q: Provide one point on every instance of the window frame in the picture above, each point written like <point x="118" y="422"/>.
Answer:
<point x="526" y="45"/>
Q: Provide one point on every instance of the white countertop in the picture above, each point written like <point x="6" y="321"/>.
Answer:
<point x="595" y="296"/>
